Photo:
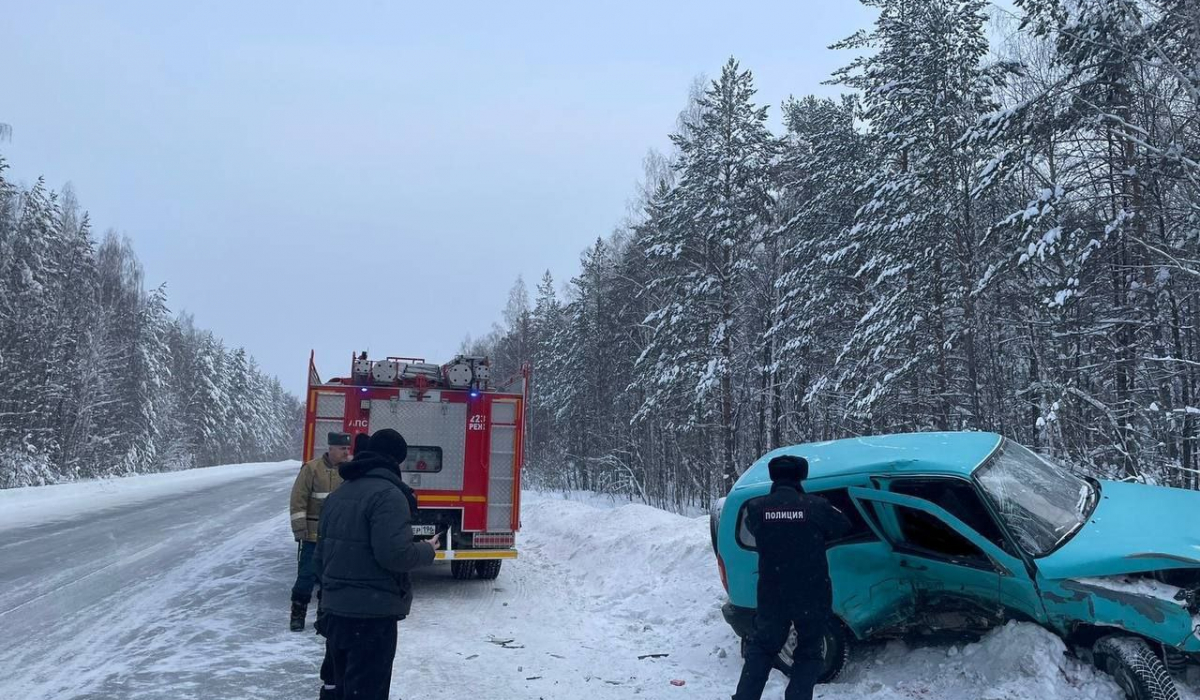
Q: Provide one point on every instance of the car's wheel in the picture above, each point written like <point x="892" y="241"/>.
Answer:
<point x="835" y="652"/>
<point x="462" y="570"/>
<point x="488" y="569"/>
<point x="1136" y="668"/>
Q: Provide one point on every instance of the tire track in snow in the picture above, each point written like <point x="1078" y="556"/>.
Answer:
<point x="73" y="579"/>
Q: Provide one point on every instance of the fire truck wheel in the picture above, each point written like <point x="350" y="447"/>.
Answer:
<point x="488" y="569"/>
<point x="462" y="570"/>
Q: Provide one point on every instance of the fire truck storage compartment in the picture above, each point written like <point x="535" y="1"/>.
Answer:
<point x="330" y="418"/>
<point x="425" y="423"/>
<point x="501" y="456"/>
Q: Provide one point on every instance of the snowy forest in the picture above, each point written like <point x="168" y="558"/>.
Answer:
<point x="98" y="377"/>
<point x="995" y="227"/>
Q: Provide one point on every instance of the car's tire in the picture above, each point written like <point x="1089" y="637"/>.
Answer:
<point x="488" y="569"/>
<point x="1135" y="667"/>
<point x="462" y="570"/>
<point x="835" y="652"/>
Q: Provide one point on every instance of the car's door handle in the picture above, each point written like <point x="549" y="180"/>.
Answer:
<point x="906" y="564"/>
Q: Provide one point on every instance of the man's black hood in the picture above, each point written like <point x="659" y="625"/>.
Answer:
<point x="365" y="462"/>
<point x="383" y="467"/>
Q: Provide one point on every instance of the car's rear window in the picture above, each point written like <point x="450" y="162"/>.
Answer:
<point x="838" y="498"/>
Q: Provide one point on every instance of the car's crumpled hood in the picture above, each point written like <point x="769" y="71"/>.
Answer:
<point x="1134" y="528"/>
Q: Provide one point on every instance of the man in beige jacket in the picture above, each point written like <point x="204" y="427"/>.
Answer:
<point x="316" y="480"/>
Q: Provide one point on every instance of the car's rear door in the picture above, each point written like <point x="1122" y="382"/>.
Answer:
<point x="870" y="594"/>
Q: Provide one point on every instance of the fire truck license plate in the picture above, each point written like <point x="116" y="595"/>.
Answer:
<point x="424" y="530"/>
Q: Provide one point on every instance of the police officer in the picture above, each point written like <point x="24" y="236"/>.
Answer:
<point x="316" y="480"/>
<point x="792" y="531"/>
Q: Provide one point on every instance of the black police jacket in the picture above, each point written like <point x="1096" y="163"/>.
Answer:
<point x="793" y="531"/>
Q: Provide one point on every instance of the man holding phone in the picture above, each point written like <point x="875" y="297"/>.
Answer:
<point x="365" y="552"/>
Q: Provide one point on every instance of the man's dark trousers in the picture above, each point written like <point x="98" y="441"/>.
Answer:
<point x="329" y="688"/>
<point x="306" y="573"/>
<point x="772" y="623"/>
<point x="362" y="651"/>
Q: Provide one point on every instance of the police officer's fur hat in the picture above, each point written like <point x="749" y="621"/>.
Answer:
<point x="788" y="468"/>
<point x="339" y="440"/>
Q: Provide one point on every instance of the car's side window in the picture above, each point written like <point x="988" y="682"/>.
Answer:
<point x="958" y="498"/>
<point x="745" y="538"/>
<point x="838" y="498"/>
<point x="859" y="531"/>
<point x="926" y="534"/>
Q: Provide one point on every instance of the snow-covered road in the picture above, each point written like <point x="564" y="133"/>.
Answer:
<point x="176" y="586"/>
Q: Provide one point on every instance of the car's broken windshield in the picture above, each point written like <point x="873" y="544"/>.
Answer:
<point x="1041" y="504"/>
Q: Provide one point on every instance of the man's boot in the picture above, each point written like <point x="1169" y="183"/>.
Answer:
<point x="330" y="693"/>
<point x="299" y="610"/>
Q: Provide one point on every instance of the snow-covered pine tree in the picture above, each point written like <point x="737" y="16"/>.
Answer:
<point x="912" y="354"/>
<point x="545" y="323"/>
<point x="826" y="160"/>
<point x="32" y="274"/>
<point x="514" y="346"/>
<point x="74" y="347"/>
<point x="702" y="254"/>
<point x="149" y="375"/>
<point x="241" y="425"/>
<point x="116" y="426"/>
<point x="583" y="388"/>
<point x="26" y="438"/>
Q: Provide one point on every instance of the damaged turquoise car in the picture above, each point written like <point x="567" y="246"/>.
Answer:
<point x="963" y="532"/>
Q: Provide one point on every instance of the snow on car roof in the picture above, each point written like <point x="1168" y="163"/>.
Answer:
<point x="948" y="453"/>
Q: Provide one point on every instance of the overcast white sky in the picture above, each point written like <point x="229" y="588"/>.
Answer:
<point x="355" y="175"/>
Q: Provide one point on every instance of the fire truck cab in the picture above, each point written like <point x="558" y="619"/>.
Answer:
<point x="465" y="446"/>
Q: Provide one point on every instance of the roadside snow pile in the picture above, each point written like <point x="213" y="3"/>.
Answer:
<point x="1016" y="662"/>
<point x="38" y="505"/>
<point x="608" y="501"/>
<point x="640" y="562"/>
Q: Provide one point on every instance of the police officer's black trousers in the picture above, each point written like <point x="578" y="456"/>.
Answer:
<point x="771" y="628"/>
<point x="361" y="651"/>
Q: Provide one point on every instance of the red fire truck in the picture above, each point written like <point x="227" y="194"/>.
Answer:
<point x="465" y="437"/>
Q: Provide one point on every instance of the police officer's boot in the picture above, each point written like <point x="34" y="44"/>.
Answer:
<point x="299" y="610"/>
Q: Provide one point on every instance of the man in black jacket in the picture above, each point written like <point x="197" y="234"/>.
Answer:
<point x="792" y="531"/>
<point x="365" y="550"/>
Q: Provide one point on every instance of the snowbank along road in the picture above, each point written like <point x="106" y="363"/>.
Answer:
<point x="176" y="586"/>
